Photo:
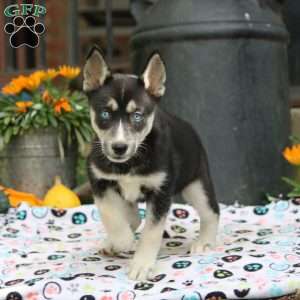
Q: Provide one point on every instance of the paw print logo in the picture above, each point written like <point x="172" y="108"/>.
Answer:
<point x="24" y="31"/>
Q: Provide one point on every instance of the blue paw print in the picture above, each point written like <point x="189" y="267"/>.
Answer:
<point x="253" y="267"/>
<point x="95" y="215"/>
<point x="279" y="266"/>
<point x="181" y="264"/>
<point x="275" y="291"/>
<point x="281" y="205"/>
<point x="40" y="212"/>
<point x="21" y="215"/>
<point x="79" y="218"/>
<point x="261" y="210"/>
<point x="192" y="296"/>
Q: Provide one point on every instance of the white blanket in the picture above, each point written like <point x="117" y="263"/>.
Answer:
<point x="53" y="254"/>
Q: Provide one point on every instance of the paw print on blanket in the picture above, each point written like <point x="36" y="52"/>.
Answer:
<point x="24" y="31"/>
<point x="261" y="210"/>
<point x="79" y="218"/>
<point x="14" y="296"/>
<point x="253" y="267"/>
<point x="21" y="215"/>
<point x="181" y="264"/>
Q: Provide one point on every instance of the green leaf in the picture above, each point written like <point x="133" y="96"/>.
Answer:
<point x="52" y="120"/>
<point x="291" y="182"/>
<point x="15" y="130"/>
<point x="7" y="135"/>
<point x="6" y="120"/>
<point x="80" y="141"/>
<point x="37" y="106"/>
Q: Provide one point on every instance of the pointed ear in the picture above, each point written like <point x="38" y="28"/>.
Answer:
<point x="95" y="71"/>
<point x="154" y="76"/>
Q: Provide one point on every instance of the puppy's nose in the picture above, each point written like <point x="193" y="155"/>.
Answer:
<point x="119" y="148"/>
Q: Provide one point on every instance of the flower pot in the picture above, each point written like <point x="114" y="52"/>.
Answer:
<point x="30" y="162"/>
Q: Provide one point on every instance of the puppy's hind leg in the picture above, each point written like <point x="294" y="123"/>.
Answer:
<point x="204" y="202"/>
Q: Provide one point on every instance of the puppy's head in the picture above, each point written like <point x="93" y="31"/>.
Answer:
<point x="122" y="107"/>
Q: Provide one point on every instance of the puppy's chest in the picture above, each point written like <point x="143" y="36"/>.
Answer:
<point x="132" y="188"/>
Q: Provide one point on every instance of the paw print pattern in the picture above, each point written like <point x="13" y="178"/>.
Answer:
<point x="24" y="32"/>
<point x="14" y="296"/>
<point x="79" y="218"/>
<point x="216" y="296"/>
<point x="181" y="264"/>
<point x="58" y="212"/>
<point x="253" y="267"/>
<point x="261" y="210"/>
<point x="21" y="215"/>
<point x="222" y="274"/>
<point x="143" y="286"/>
<point x="180" y="213"/>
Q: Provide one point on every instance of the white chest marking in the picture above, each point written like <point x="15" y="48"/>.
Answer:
<point x="131" y="184"/>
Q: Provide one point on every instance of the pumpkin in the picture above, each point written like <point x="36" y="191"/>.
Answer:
<point x="59" y="196"/>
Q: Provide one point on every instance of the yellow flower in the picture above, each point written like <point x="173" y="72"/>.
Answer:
<point x="62" y="104"/>
<point x="69" y="72"/>
<point x="22" y="106"/>
<point x="50" y="74"/>
<point x="39" y="75"/>
<point x="292" y="155"/>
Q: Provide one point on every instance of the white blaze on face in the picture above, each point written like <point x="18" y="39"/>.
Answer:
<point x="120" y="134"/>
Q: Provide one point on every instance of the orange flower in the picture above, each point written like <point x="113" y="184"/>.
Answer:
<point x="47" y="97"/>
<point x="62" y="104"/>
<point x="292" y="155"/>
<point x="33" y="81"/>
<point x="22" y="106"/>
<point x="15" y="86"/>
<point x="69" y="72"/>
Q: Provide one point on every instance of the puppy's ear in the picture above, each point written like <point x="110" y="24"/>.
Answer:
<point x="154" y="76"/>
<point x="95" y="71"/>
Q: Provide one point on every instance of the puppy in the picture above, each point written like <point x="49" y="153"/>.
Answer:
<point x="142" y="153"/>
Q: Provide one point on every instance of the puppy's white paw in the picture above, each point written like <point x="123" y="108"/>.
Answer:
<point x="141" y="269"/>
<point x="202" y="246"/>
<point x="121" y="244"/>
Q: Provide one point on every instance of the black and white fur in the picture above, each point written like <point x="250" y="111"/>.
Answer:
<point x="142" y="153"/>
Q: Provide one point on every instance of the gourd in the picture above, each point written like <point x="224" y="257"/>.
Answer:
<point x="59" y="196"/>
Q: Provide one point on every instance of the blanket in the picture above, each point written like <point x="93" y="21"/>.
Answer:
<point x="54" y="254"/>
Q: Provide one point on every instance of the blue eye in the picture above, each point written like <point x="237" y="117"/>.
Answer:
<point x="105" y="115"/>
<point x="137" y="117"/>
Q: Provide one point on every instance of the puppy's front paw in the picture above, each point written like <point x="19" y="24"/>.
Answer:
<point x="202" y="246"/>
<point x="141" y="269"/>
<point x="121" y="244"/>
